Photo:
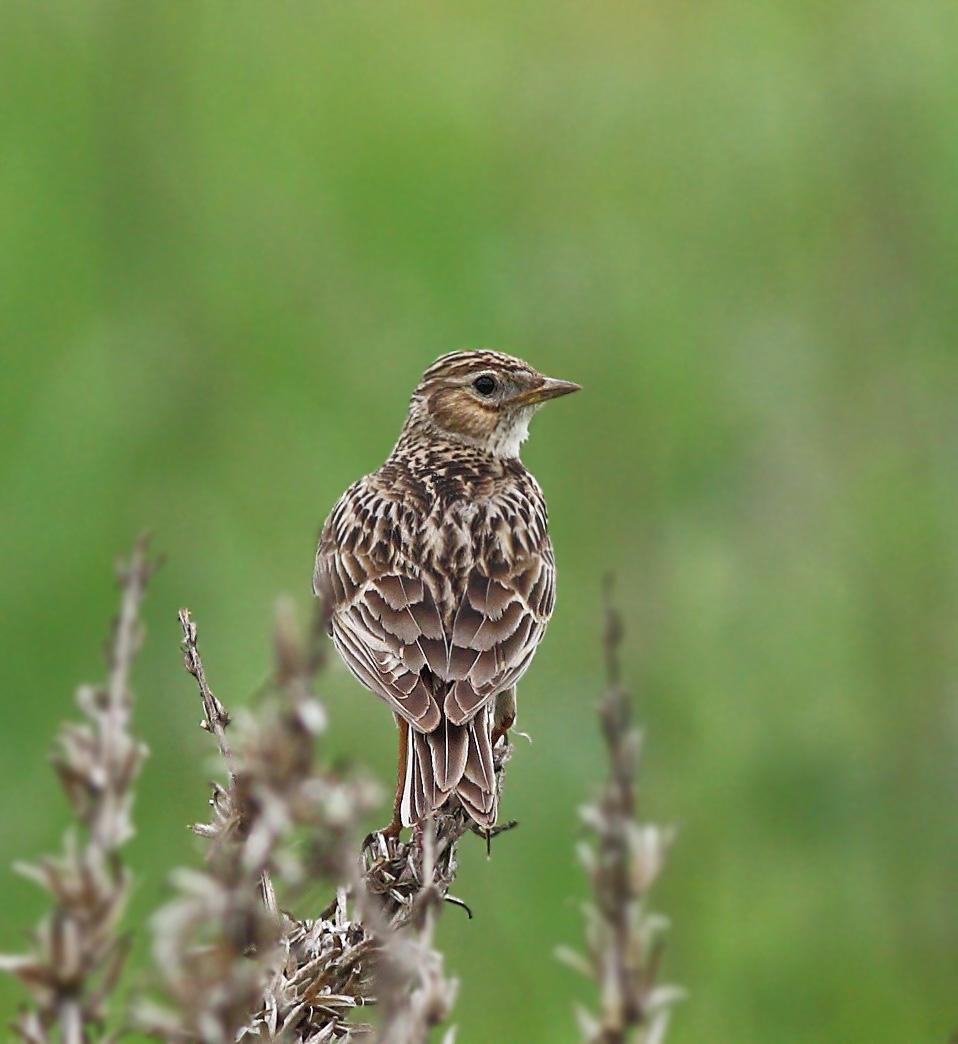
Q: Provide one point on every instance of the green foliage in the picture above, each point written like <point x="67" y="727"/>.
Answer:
<point x="231" y="237"/>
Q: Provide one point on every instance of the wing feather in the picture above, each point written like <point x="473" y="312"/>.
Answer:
<point x="497" y="627"/>
<point x="384" y="618"/>
<point x="391" y="632"/>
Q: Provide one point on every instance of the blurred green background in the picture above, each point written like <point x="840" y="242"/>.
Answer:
<point x="232" y="235"/>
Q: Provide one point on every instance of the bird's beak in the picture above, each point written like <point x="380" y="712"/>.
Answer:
<point x="549" y="389"/>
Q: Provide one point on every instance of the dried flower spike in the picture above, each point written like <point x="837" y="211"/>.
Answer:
<point x="78" y="951"/>
<point x="624" y="942"/>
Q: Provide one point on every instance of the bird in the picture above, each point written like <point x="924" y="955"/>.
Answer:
<point x="437" y="577"/>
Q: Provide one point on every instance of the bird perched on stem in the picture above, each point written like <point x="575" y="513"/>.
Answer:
<point x="438" y="576"/>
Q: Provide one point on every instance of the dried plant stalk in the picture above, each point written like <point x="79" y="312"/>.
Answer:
<point x="233" y="964"/>
<point x="624" y="859"/>
<point x="78" y="951"/>
<point x="222" y="947"/>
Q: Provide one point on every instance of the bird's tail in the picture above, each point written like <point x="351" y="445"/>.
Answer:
<point x="451" y="758"/>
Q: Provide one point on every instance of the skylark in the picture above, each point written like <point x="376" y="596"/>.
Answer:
<point x="438" y="576"/>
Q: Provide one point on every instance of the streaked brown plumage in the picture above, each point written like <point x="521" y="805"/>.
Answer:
<point x="438" y="575"/>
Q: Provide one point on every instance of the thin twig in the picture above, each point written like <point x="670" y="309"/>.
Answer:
<point x="216" y="716"/>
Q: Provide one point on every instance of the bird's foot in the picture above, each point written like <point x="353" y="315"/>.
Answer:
<point x="501" y="732"/>
<point x="386" y="837"/>
<point x="490" y="832"/>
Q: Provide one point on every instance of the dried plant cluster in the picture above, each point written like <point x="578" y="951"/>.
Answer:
<point x="78" y="950"/>
<point x="235" y="965"/>
<point x="231" y="963"/>
<point x="623" y="861"/>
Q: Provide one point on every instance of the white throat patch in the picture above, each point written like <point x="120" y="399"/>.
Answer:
<point x="506" y="443"/>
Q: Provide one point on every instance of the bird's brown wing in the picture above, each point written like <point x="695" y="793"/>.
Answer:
<point x="387" y="627"/>
<point x="500" y="621"/>
<point x="385" y="624"/>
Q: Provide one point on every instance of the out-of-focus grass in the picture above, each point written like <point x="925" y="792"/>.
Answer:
<point x="232" y="235"/>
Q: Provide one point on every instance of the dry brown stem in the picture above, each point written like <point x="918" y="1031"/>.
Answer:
<point x="624" y="942"/>
<point x="78" y="951"/>
<point x="215" y="716"/>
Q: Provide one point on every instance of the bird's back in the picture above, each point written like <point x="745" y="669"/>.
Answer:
<point x="443" y="512"/>
<point x="439" y="576"/>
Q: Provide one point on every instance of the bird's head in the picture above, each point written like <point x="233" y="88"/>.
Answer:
<point x="482" y="398"/>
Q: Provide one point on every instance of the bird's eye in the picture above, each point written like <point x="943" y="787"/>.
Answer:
<point x="484" y="384"/>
